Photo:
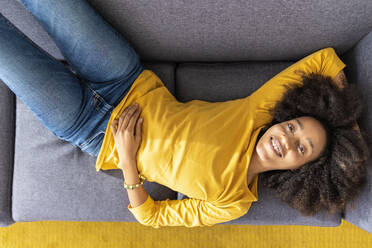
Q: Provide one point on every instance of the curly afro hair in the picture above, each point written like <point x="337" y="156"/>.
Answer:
<point x="338" y="175"/>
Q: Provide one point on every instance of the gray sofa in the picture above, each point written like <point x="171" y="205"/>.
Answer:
<point x="207" y="50"/>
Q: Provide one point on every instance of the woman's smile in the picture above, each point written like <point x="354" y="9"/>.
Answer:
<point x="277" y="144"/>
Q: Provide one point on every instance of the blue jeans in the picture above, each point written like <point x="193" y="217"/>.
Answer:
<point x="73" y="101"/>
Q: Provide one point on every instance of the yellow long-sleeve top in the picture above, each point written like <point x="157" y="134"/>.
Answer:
<point x="202" y="149"/>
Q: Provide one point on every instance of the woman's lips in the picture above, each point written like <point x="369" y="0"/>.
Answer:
<point x="272" y="147"/>
<point x="279" y="146"/>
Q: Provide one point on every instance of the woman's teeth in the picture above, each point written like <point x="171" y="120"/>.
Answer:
<point x="276" y="148"/>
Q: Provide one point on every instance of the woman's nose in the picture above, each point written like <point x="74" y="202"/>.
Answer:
<point x="286" y="142"/>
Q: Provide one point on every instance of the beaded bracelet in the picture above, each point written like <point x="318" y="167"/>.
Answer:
<point x="142" y="179"/>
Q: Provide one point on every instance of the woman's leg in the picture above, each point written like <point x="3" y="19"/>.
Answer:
<point x="46" y="86"/>
<point x="93" y="48"/>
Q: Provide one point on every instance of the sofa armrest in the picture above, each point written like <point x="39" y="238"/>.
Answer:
<point x="358" y="70"/>
<point x="7" y="132"/>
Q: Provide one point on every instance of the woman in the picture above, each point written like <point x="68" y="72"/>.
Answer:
<point x="300" y="139"/>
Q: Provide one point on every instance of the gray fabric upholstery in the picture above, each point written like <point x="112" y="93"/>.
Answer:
<point x="6" y="153"/>
<point x="359" y="60"/>
<point x="218" y="82"/>
<point x="235" y="30"/>
<point x="268" y="210"/>
<point x="24" y="21"/>
<point x="226" y="50"/>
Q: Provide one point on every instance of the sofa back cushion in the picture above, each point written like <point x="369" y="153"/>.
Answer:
<point x="236" y="30"/>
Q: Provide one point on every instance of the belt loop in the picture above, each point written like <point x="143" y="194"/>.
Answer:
<point x="99" y="102"/>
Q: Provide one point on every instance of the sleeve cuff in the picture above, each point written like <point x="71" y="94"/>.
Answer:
<point x="332" y="63"/>
<point x="144" y="210"/>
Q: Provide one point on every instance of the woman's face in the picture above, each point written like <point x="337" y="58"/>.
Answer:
<point x="299" y="140"/>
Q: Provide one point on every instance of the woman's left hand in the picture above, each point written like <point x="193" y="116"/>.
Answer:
<point x="127" y="132"/>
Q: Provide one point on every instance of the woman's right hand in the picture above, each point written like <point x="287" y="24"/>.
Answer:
<point x="127" y="133"/>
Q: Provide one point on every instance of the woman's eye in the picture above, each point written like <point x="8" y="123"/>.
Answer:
<point x="291" y="129"/>
<point x="302" y="150"/>
<point x="290" y="126"/>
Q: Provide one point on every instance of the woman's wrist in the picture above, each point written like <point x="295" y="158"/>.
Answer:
<point x="137" y="196"/>
<point x="130" y="174"/>
<point x="127" y="164"/>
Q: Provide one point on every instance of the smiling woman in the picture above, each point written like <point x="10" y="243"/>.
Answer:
<point x="288" y="145"/>
<point x="320" y="166"/>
